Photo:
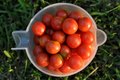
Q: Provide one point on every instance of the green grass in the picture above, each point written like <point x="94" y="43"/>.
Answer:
<point x="15" y="15"/>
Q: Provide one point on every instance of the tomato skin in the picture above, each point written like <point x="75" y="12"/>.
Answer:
<point x="50" y="67"/>
<point x="65" y="68"/>
<point x="64" y="51"/>
<point x="38" y="28"/>
<point x="53" y="47"/>
<point x="62" y="13"/>
<point x="47" y="18"/>
<point x="84" y="51"/>
<point x="58" y="36"/>
<point x="56" y="22"/>
<point x="56" y="61"/>
<point x="36" y="39"/>
<point x="84" y="24"/>
<point x="75" y="15"/>
<point x="43" y="40"/>
<point x="87" y="37"/>
<point x="37" y="50"/>
<point x="42" y="59"/>
<point x="73" y="41"/>
<point x="69" y="26"/>
<point x="75" y="62"/>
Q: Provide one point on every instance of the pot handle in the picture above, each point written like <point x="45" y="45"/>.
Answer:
<point x="101" y="37"/>
<point x="21" y="39"/>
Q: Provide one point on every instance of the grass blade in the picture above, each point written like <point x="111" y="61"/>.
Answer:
<point x="7" y="54"/>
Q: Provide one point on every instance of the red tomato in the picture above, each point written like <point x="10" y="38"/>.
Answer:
<point x="57" y="70"/>
<point x="36" y="39"/>
<point x="64" y="51"/>
<point x="75" y="15"/>
<point x="47" y="18"/>
<point x="56" y="61"/>
<point x="49" y="31"/>
<point x="43" y="40"/>
<point x="38" y="28"/>
<point x="87" y="37"/>
<point x="84" y="51"/>
<point x="65" y="68"/>
<point x="50" y="67"/>
<point x="74" y="40"/>
<point x="56" y="23"/>
<point x="59" y="36"/>
<point x="42" y="59"/>
<point x="53" y="47"/>
<point x="61" y="13"/>
<point x="75" y="62"/>
<point x="37" y="50"/>
<point x="84" y="24"/>
<point x="69" y="26"/>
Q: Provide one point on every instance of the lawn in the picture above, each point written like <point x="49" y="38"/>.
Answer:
<point x="15" y="15"/>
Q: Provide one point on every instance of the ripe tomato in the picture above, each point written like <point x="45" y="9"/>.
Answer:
<point x="36" y="39"/>
<point x="64" y="51"/>
<point x="75" y="15"/>
<point x="53" y="47"/>
<point x="56" y="61"/>
<point x="84" y="51"/>
<point x="37" y="50"/>
<point x="56" y="23"/>
<point x="57" y="70"/>
<point x="61" y="13"/>
<point x="87" y="37"/>
<point x="50" y="67"/>
<point x="42" y="59"/>
<point x="75" y="62"/>
<point x="74" y="40"/>
<point x="43" y="40"/>
<point x="59" y="36"/>
<point x="69" y="26"/>
<point x="38" y="28"/>
<point x="47" y="18"/>
<point x="49" y="31"/>
<point x="65" y="68"/>
<point x="84" y="24"/>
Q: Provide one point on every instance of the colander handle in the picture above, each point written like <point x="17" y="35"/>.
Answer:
<point x="101" y="37"/>
<point x="21" y="39"/>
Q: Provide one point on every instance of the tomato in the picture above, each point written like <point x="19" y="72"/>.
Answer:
<point x="75" y="62"/>
<point x="56" y="23"/>
<point x="61" y="13"/>
<point x="50" y="31"/>
<point x="37" y="50"/>
<point x="65" y="68"/>
<point x="56" y="61"/>
<point x="64" y="51"/>
<point x="47" y="18"/>
<point x="69" y="26"/>
<point x="75" y="15"/>
<point x="73" y="41"/>
<point x="84" y="51"/>
<point x="87" y="37"/>
<point x="42" y="59"/>
<point x="53" y="47"/>
<point x="38" y="28"/>
<point x="36" y="39"/>
<point x="57" y="70"/>
<point x="50" y="67"/>
<point x="59" y="36"/>
<point x="43" y="40"/>
<point x="84" y="24"/>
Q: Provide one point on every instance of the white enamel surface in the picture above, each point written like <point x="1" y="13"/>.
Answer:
<point x="52" y="9"/>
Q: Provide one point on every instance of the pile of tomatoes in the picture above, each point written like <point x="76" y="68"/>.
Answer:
<point x="62" y="41"/>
